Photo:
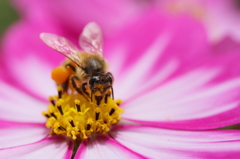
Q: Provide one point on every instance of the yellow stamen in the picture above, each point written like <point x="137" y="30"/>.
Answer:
<point x="73" y="115"/>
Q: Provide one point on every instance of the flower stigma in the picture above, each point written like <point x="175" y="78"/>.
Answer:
<point x="72" y="114"/>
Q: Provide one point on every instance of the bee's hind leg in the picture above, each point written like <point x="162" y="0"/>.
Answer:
<point x="65" y="86"/>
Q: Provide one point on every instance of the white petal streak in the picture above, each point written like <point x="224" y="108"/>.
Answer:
<point x="163" y="143"/>
<point x="17" y="106"/>
<point x="54" y="148"/>
<point x="167" y="70"/>
<point x="177" y="87"/>
<point x="15" y="95"/>
<point x="20" y="135"/>
<point x="35" y="75"/>
<point x="158" y="103"/>
<point x="139" y="70"/>
<point x="116" y="60"/>
<point x="13" y="111"/>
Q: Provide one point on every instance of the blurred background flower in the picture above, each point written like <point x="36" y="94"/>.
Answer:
<point x="220" y="18"/>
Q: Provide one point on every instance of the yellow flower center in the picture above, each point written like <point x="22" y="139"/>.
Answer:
<point x="74" y="115"/>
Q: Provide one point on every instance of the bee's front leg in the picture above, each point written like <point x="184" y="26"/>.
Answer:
<point x="84" y="89"/>
<point x="73" y="78"/>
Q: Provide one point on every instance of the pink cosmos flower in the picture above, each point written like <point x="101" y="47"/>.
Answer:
<point x="164" y="73"/>
<point x="221" y="18"/>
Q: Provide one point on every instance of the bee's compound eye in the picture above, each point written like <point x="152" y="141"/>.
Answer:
<point x="60" y="74"/>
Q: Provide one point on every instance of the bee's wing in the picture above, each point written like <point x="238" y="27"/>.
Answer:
<point x="61" y="45"/>
<point x="91" y="39"/>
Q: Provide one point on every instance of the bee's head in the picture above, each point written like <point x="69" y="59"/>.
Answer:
<point x="100" y="85"/>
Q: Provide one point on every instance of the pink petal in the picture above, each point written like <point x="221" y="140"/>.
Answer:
<point x="30" y="61"/>
<point x="17" y="106"/>
<point x="211" y="107"/>
<point x="14" y="47"/>
<point x="53" y="147"/>
<point x="141" y="59"/>
<point x="204" y="96"/>
<point x="36" y="77"/>
<point x="103" y="147"/>
<point x="162" y="143"/>
<point x="16" y="134"/>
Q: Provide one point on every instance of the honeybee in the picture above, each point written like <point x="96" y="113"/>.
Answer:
<point x="87" y="66"/>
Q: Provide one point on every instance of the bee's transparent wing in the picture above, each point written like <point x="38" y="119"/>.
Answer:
<point x="61" y="45"/>
<point x="91" y="39"/>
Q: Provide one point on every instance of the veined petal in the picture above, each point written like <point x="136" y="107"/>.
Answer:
<point x="141" y="59"/>
<point x="103" y="147"/>
<point x="30" y="61"/>
<point x="15" y="48"/>
<point x="16" y="134"/>
<point x="163" y="143"/>
<point x="53" y="147"/>
<point x="36" y="77"/>
<point x="17" y="106"/>
<point x="203" y="97"/>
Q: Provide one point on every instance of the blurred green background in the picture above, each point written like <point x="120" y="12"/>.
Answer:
<point x="7" y="15"/>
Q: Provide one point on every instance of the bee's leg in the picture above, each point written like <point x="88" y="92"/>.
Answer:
<point x="92" y="92"/>
<point x="108" y="95"/>
<point x="112" y="93"/>
<point x="75" y="86"/>
<point x="65" y="86"/>
<point x="111" y="82"/>
<point x="84" y="89"/>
